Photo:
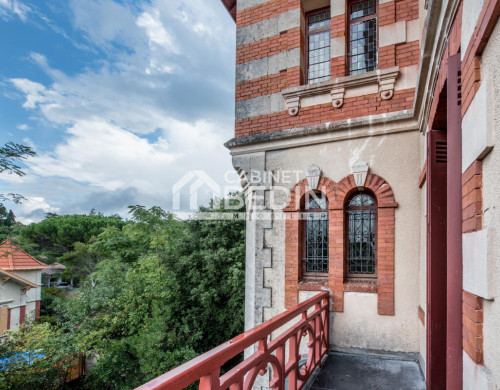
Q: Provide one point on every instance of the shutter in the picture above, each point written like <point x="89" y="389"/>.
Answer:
<point x="437" y="157"/>
<point x="454" y="223"/>
<point x="4" y="319"/>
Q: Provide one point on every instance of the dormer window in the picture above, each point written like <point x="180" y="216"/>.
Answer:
<point x="318" y="45"/>
<point x="362" y="36"/>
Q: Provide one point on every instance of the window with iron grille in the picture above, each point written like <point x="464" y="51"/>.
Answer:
<point x="315" y="217"/>
<point x="362" y="36"/>
<point x="318" y="45"/>
<point x="361" y="229"/>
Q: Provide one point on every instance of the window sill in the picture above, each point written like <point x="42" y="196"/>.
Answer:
<point x="366" y="286"/>
<point x="382" y="81"/>
<point x="313" y="283"/>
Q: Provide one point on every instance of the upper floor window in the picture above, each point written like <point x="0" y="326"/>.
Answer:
<point x="361" y="220"/>
<point x="318" y="45"/>
<point x="362" y="36"/>
<point x="315" y="234"/>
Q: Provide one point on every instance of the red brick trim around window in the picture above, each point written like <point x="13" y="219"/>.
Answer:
<point x="337" y="194"/>
<point x="472" y="198"/>
<point x="472" y="307"/>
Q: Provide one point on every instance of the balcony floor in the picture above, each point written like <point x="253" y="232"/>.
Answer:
<point x="348" y="371"/>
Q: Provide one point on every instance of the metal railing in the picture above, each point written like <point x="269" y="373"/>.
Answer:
<point x="281" y="354"/>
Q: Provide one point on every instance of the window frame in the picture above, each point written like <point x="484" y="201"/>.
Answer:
<point x="363" y="277"/>
<point x="307" y="32"/>
<point x="348" y="34"/>
<point x="308" y="275"/>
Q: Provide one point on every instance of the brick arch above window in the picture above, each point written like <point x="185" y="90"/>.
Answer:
<point x="325" y="185"/>
<point x="376" y="184"/>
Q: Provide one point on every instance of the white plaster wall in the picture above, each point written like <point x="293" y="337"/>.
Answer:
<point x="491" y="201"/>
<point x="472" y="9"/>
<point x="14" y="318"/>
<point x="33" y="276"/>
<point x="396" y="158"/>
<point x="10" y="291"/>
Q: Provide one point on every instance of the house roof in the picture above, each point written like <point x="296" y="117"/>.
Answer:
<point x="231" y="7"/>
<point x="6" y="276"/>
<point x="54" y="268"/>
<point x="14" y="258"/>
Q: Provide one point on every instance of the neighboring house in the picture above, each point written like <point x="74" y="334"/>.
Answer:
<point x="53" y="274"/>
<point x="20" y="287"/>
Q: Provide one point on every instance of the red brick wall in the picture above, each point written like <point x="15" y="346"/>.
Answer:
<point x="353" y="108"/>
<point x="267" y="10"/>
<point x="266" y="47"/>
<point x="387" y="13"/>
<point x="337" y="194"/>
<point x="472" y="198"/>
<point x="472" y="307"/>
<point x="402" y="55"/>
<point x="406" y="10"/>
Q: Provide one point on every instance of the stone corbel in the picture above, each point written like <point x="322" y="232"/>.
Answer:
<point x="386" y="84"/>
<point x="337" y="95"/>
<point x="292" y="105"/>
<point x="334" y="90"/>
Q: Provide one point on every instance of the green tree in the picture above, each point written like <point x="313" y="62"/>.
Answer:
<point x="35" y="357"/>
<point x="57" y="235"/>
<point x="163" y="291"/>
<point x="10" y="156"/>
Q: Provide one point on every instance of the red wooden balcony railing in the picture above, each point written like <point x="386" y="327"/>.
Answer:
<point x="281" y="353"/>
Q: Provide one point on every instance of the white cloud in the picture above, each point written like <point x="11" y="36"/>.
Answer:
<point x="35" y="93"/>
<point x="22" y="126"/>
<point x="156" y="32"/>
<point x="10" y="8"/>
<point x="32" y="208"/>
<point x="148" y="115"/>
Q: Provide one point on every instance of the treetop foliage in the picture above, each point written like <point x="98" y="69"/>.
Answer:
<point x="158" y="292"/>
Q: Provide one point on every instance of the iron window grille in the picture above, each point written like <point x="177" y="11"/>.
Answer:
<point x="318" y="45"/>
<point x="315" y="217"/>
<point x="362" y="36"/>
<point x="361" y="220"/>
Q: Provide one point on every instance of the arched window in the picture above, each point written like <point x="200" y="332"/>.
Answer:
<point x="360" y="241"/>
<point x="315" y="216"/>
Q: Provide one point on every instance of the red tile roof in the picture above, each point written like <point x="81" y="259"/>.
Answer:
<point x="231" y="7"/>
<point x="14" y="258"/>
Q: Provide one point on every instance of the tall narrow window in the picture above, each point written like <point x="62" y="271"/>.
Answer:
<point x="362" y="36"/>
<point x="361" y="220"/>
<point x="318" y="45"/>
<point x="315" y="234"/>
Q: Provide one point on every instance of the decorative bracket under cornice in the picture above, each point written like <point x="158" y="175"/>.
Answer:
<point x="384" y="78"/>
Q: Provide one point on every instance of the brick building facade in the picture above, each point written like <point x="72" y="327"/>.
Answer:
<point x="365" y="137"/>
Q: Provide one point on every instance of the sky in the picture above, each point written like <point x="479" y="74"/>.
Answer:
<point x="120" y="100"/>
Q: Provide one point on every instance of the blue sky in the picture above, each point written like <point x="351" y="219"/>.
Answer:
<point x="120" y="99"/>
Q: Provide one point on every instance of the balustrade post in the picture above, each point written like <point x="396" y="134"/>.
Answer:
<point x="210" y="382"/>
<point x="294" y="361"/>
